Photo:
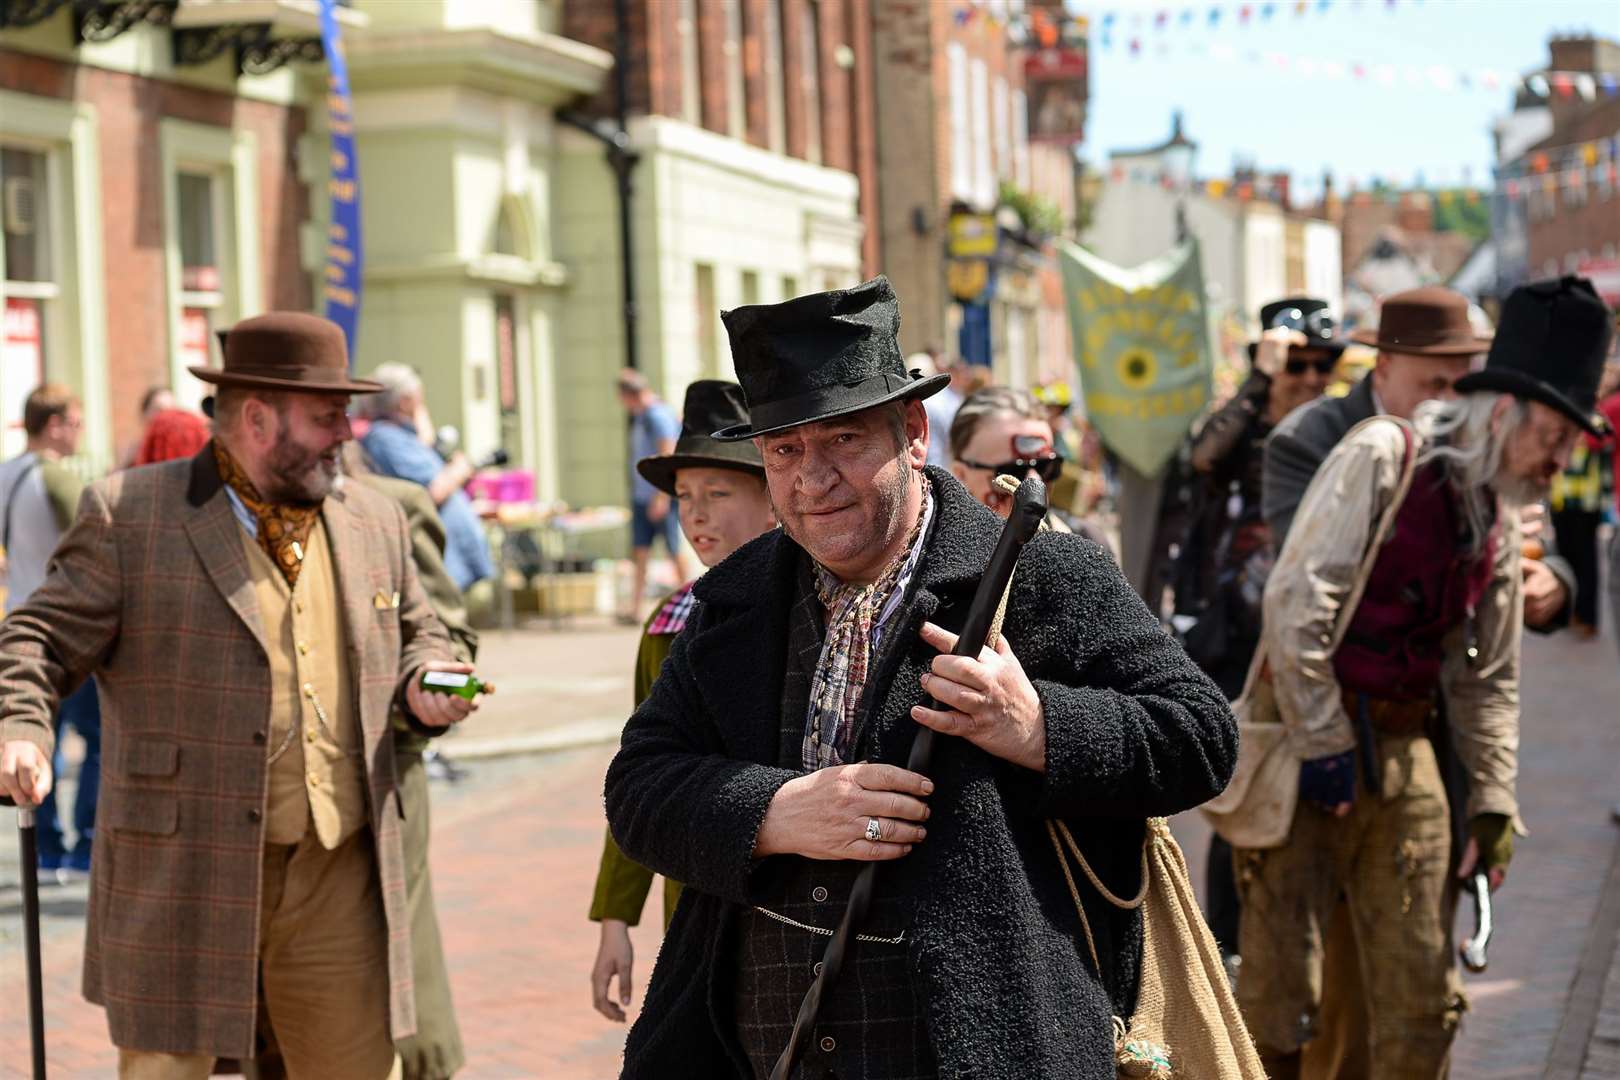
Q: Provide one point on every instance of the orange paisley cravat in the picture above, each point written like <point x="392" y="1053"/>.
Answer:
<point x="284" y="528"/>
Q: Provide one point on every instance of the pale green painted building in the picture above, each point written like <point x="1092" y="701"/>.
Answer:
<point x="457" y="144"/>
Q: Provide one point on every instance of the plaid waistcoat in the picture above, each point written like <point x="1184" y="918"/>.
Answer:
<point x="872" y="1026"/>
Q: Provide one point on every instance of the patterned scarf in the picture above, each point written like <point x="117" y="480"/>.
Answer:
<point x="855" y="618"/>
<point x="284" y="528"/>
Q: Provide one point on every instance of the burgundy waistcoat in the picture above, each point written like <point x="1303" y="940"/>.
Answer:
<point x="1422" y="586"/>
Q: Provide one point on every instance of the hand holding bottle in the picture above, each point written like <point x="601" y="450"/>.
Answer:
<point x="444" y="693"/>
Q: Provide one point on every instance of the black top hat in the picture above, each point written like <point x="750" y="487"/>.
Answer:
<point x="820" y="356"/>
<point x="710" y="404"/>
<point x="1306" y="314"/>
<point x="1549" y="347"/>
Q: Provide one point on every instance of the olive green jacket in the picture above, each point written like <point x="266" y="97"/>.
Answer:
<point x="622" y="884"/>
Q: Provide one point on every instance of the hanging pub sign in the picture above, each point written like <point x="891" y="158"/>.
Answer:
<point x="970" y="247"/>
<point x="1055" y="80"/>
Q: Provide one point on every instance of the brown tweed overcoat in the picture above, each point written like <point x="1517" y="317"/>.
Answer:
<point x="149" y="592"/>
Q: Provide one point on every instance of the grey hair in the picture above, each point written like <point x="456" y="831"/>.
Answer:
<point x="980" y="406"/>
<point x="1458" y="435"/>
<point x="398" y="380"/>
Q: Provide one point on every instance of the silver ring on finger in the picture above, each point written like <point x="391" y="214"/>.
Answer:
<point x="874" y="829"/>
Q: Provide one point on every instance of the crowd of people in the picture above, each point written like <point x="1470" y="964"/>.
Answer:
<point x="258" y="626"/>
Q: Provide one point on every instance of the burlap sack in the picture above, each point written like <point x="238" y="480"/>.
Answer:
<point x="1186" y="1025"/>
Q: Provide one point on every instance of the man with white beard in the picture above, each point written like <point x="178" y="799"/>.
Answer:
<point x="1400" y="580"/>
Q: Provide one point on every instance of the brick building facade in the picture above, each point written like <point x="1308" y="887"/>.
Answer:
<point x="793" y="77"/>
<point x="1556" y="207"/>
<point x="953" y="129"/>
<point x="756" y="180"/>
<point x="148" y="204"/>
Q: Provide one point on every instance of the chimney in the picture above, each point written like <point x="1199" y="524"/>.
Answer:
<point x="1280" y="189"/>
<point x="1416" y="214"/>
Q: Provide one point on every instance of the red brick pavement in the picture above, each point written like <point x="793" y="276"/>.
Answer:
<point x="515" y="853"/>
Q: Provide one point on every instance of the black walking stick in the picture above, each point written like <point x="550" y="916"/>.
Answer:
<point x="1029" y="508"/>
<point x="27" y="841"/>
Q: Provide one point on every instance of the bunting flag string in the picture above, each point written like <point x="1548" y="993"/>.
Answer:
<point x="1572" y="169"/>
<point x="1563" y="84"/>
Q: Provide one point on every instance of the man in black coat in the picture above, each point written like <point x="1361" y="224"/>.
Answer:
<point x="760" y="773"/>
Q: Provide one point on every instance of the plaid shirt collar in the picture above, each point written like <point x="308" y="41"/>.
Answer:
<point x="671" y="617"/>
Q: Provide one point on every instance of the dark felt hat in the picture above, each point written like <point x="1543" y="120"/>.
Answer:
<point x="1550" y="346"/>
<point x="286" y="350"/>
<point x="1306" y="314"/>
<point x="710" y="404"/>
<point x="1430" y="321"/>
<point x="820" y="356"/>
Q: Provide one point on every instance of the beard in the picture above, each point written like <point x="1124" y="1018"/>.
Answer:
<point x="298" y="474"/>
<point x="1517" y="491"/>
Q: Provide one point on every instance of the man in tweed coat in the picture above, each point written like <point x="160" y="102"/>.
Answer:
<point x="764" y="769"/>
<point x="250" y="629"/>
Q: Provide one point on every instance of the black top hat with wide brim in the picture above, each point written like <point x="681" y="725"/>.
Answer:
<point x="819" y="356"/>
<point x="710" y="404"/>
<point x="1550" y="346"/>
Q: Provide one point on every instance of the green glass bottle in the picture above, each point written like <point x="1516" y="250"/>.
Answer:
<point x="453" y="682"/>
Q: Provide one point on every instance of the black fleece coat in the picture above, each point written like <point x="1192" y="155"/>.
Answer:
<point x="1134" y="730"/>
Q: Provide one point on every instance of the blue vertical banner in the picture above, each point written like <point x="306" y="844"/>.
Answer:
<point x="341" y="279"/>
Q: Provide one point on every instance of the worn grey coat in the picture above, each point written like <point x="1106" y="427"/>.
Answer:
<point x="1134" y="729"/>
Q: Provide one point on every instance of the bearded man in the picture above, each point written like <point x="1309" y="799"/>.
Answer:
<point x="765" y="768"/>
<point x="1429" y="583"/>
<point x="251" y="629"/>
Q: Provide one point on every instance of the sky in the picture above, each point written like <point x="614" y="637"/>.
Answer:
<point x="1238" y="101"/>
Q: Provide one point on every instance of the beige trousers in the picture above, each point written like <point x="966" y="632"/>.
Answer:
<point x="323" y="969"/>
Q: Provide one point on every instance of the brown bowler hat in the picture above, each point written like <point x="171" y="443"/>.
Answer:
<point x="1431" y="321"/>
<point x="286" y="350"/>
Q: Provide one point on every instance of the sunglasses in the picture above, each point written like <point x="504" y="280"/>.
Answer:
<point x="1030" y="453"/>
<point x="1324" y="366"/>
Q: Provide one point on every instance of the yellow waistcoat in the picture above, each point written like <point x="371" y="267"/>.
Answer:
<point x="317" y="772"/>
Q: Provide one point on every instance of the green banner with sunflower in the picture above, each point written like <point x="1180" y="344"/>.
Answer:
<point x="1141" y="342"/>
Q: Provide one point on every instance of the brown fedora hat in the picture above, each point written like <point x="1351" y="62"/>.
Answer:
<point x="286" y="350"/>
<point x="1431" y="321"/>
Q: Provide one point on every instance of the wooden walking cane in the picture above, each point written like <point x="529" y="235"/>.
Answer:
<point x="27" y="842"/>
<point x="1028" y="510"/>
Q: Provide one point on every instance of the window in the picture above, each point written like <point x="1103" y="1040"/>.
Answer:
<point x="961" y="123"/>
<point x="810" y="78"/>
<point x="736" y="85"/>
<point x="506" y="371"/>
<point x="775" y="103"/>
<point x="22" y="187"/>
<point x="790" y="287"/>
<point x="201" y="289"/>
<point x="691" y="64"/>
<point x="1003" y="122"/>
<point x="750" y="287"/>
<point x="1020" y="138"/>
<point x="211" y="234"/>
<point x="26" y="279"/>
<point x="707" y="331"/>
<point x="984" y="176"/>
